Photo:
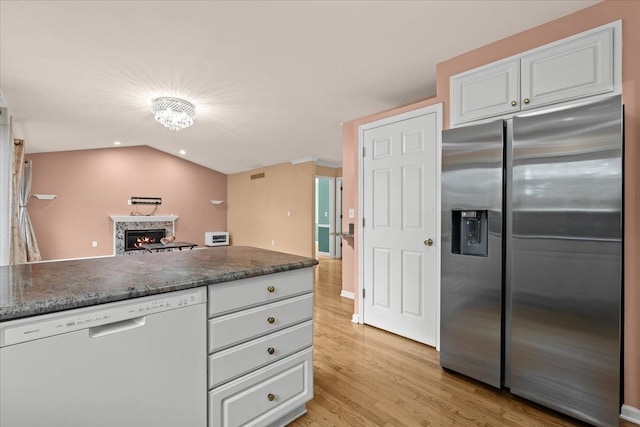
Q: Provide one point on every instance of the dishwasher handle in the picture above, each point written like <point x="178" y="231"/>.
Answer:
<point x="117" y="327"/>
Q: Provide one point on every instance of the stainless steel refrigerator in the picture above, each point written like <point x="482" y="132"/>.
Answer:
<point x="531" y="295"/>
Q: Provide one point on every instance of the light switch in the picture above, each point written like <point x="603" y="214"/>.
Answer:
<point x="352" y="213"/>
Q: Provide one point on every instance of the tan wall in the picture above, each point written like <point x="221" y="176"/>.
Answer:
<point x="257" y="209"/>
<point x="600" y="14"/>
<point x="327" y="171"/>
<point x="93" y="184"/>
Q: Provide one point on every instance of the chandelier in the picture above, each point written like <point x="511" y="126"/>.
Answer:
<point x="174" y="113"/>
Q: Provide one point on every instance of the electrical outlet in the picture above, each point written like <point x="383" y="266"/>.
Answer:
<point x="352" y="213"/>
<point x="129" y="201"/>
<point x="273" y="243"/>
<point x="94" y="243"/>
<point x="288" y="213"/>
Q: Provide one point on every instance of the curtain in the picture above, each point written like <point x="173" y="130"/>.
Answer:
<point x="31" y="244"/>
<point x="24" y="247"/>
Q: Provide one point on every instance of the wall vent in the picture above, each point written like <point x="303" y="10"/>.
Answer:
<point x="257" y="175"/>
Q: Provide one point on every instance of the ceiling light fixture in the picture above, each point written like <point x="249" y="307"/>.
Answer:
<point x="174" y="113"/>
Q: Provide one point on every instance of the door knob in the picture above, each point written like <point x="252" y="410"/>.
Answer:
<point x="428" y="242"/>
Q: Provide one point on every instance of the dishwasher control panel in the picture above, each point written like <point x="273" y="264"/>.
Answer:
<point x="33" y="328"/>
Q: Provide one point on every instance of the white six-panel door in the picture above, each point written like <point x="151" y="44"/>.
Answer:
<point x="400" y="211"/>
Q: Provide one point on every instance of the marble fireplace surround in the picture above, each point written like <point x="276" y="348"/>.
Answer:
<point x="121" y="223"/>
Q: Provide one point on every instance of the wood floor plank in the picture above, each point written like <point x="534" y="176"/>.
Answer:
<point x="368" y="377"/>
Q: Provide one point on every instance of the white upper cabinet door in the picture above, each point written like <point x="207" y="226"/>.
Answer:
<point x="488" y="91"/>
<point x="568" y="70"/>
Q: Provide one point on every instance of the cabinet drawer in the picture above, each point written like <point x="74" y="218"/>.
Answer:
<point x="235" y="328"/>
<point x="231" y="363"/>
<point x="232" y="296"/>
<point x="264" y="395"/>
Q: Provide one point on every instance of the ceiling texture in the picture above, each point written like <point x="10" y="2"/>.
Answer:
<point x="272" y="81"/>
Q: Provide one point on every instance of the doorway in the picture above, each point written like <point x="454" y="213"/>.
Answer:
<point x="328" y="216"/>
<point x="324" y="216"/>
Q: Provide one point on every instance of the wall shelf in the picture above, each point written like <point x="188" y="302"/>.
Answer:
<point x="45" y="196"/>
<point x="143" y="218"/>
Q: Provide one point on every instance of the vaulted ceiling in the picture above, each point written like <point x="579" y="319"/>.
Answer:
<point x="272" y="81"/>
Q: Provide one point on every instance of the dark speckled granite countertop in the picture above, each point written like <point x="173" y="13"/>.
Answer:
<point x="40" y="288"/>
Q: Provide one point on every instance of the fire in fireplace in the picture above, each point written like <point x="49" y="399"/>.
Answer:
<point x="134" y="239"/>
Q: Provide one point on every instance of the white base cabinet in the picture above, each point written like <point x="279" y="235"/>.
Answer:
<point x="260" y="340"/>
<point x="265" y="395"/>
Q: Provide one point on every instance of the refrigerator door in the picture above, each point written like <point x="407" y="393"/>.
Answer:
<point x="471" y="287"/>
<point x="567" y="256"/>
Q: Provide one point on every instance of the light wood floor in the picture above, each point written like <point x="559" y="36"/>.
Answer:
<point x="367" y="377"/>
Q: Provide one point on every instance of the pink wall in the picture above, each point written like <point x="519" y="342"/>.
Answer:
<point x="602" y="13"/>
<point x="93" y="184"/>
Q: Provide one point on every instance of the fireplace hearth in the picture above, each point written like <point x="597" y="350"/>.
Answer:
<point x="134" y="239"/>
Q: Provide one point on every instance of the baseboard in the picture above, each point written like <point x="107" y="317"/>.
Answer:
<point x="355" y="318"/>
<point x="346" y="294"/>
<point x="631" y="414"/>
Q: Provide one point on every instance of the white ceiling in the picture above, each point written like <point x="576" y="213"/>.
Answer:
<point x="272" y="80"/>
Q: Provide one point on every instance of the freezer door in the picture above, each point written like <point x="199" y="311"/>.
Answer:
<point x="567" y="246"/>
<point x="471" y="286"/>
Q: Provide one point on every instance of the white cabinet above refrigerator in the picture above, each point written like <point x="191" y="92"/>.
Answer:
<point x="582" y="65"/>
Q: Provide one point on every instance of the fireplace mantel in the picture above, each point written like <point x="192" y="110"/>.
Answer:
<point x="143" y="218"/>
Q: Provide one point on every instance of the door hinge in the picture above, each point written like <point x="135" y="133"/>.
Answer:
<point x="363" y="294"/>
<point x="362" y="222"/>
<point x="364" y="150"/>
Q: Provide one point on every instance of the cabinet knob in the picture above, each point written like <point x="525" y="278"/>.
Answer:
<point x="271" y="289"/>
<point x="271" y="320"/>
<point x="526" y="100"/>
<point x="271" y="397"/>
<point x="514" y="103"/>
<point x="271" y="350"/>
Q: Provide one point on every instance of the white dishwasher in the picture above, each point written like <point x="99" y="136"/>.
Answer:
<point x="136" y="363"/>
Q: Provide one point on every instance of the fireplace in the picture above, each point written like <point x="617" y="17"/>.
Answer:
<point x="124" y="224"/>
<point x="134" y="239"/>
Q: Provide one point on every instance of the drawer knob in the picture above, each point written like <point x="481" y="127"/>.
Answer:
<point x="526" y="100"/>
<point x="271" y="397"/>
<point x="271" y="289"/>
<point x="271" y="350"/>
<point x="271" y="320"/>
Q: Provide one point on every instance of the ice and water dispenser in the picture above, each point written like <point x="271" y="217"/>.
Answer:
<point x="470" y="232"/>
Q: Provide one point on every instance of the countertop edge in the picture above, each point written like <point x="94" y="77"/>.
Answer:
<point x="88" y="300"/>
